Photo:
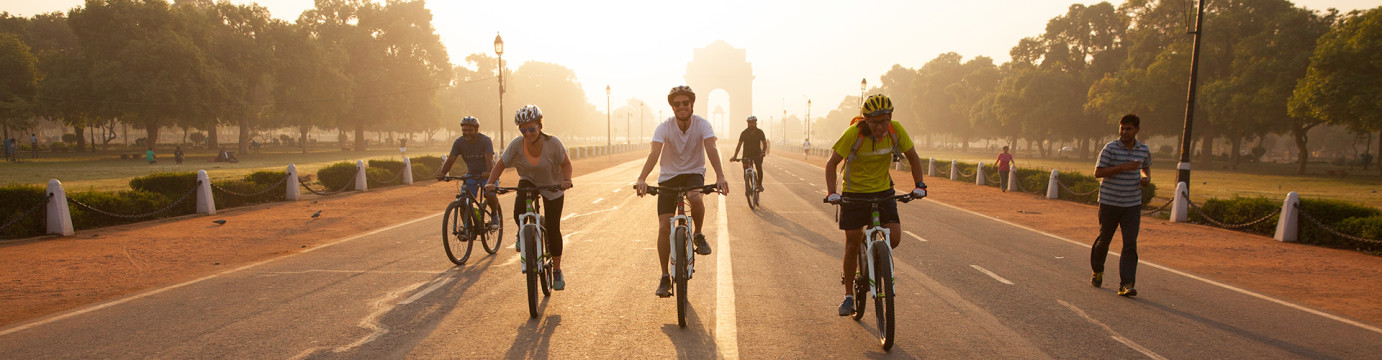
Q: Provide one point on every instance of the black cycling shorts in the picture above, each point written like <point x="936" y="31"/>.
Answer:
<point x="666" y="200"/>
<point x="858" y="215"/>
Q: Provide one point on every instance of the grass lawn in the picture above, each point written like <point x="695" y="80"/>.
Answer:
<point x="1219" y="181"/>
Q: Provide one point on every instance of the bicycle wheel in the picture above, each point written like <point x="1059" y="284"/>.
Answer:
<point x="748" y="188"/>
<point x="494" y="234"/>
<point x="530" y="266"/>
<point x="682" y="274"/>
<point x="453" y="232"/>
<point x="861" y="286"/>
<point x="544" y="276"/>
<point x="754" y="194"/>
<point x="883" y="303"/>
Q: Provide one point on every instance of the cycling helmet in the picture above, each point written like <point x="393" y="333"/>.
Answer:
<point x="470" y="120"/>
<point x="681" y="90"/>
<point x="527" y="114"/>
<point x="752" y="118"/>
<point x="877" y="104"/>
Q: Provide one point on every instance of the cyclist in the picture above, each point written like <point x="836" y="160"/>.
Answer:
<point x="478" y="152"/>
<point x="540" y="160"/>
<point x="867" y="149"/>
<point x="689" y="140"/>
<point x="755" y="151"/>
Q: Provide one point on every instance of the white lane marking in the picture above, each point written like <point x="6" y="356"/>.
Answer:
<point x="991" y="274"/>
<point x="597" y="201"/>
<point x="426" y="291"/>
<point x="913" y="235"/>
<point x="1181" y="273"/>
<point x="204" y="278"/>
<point x="617" y="189"/>
<point x="569" y="216"/>
<point x="1115" y="335"/>
<point x="726" y="330"/>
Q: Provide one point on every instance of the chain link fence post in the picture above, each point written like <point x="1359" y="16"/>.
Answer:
<point x="294" y="192"/>
<point x="360" y="182"/>
<point x="1012" y="178"/>
<point x="1180" y="211"/>
<point x="59" y="214"/>
<point x="954" y="170"/>
<point x="206" y="204"/>
<point x="1287" y="226"/>
<point x="407" y="171"/>
<point x="979" y="174"/>
<point x="931" y="167"/>
<point x="1053" y="187"/>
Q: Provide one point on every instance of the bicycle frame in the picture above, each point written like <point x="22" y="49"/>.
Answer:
<point x="869" y="245"/>
<point x="681" y="223"/>
<point x="531" y="217"/>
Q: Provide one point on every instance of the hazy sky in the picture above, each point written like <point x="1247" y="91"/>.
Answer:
<point x="798" y="49"/>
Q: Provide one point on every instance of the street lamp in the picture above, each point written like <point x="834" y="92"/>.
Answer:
<point x="608" y="142"/>
<point x="808" y="120"/>
<point x="863" y="85"/>
<point x="1183" y="168"/>
<point x="499" y="50"/>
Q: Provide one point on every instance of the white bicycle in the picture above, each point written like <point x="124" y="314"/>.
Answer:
<point x="683" y="255"/>
<point x="750" y="183"/>
<point x="537" y="264"/>
<point x="874" y="279"/>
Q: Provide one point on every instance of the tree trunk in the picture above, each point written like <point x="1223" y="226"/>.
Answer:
<point x="212" y="138"/>
<point x="151" y="136"/>
<point x="244" y="135"/>
<point x="1237" y="145"/>
<point x="1378" y="155"/>
<point x="80" y="131"/>
<point x="1207" y="152"/>
<point x="1302" y="136"/>
<point x="302" y="137"/>
<point x="359" y="137"/>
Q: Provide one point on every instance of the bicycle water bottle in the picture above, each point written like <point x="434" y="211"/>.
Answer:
<point x="477" y="215"/>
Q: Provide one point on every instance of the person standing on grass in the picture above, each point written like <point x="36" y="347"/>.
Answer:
<point x="177" y="155"/>
<point x="33" y="144"/>
<point x="1125" y="165"/>
<point x="1005" y="163"/>
<point x="9" y="151"/>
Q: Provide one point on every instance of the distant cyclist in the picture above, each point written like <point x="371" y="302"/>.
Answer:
<point x="755" y="151"/>
<point x="540" y="160"/>
<point x="688" y="140"/>
<point x="478" y="152"/>
<point x="867" y="148"/>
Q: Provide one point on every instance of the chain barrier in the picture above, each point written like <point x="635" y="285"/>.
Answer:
<point x="1335" y="232"/>
<point x="1230" y="226"/>
<point x="396" y="177"/>
<point x="324" y="192"/>
<point x="1159" y="209"/>
<point x="1019" y="184"/>
<point x="1067" y="189"/>
<point x="994" y="177"/>
<point x="140" y="216"/>
<point x="943" y="171"/>
<point x="963" y="174"/>
<point x="261" y="192"/>
<point x="26" y="214"/>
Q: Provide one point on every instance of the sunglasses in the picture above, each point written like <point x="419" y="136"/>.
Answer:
<point x="681" y="103"/>
<point x="527" y="130"/>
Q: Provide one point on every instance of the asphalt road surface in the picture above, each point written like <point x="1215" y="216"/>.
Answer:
<point x="968" y="287"/>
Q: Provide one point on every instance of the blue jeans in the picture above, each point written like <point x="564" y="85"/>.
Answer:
<point x="472" y="186"/>
<point x="1110" y="219"/>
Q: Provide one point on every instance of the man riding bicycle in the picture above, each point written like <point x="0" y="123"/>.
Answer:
<point x="755" y="151"/>
<point x="478" y="152"/>
<point x="688" y="140"/>
<point x="868" y="148"/>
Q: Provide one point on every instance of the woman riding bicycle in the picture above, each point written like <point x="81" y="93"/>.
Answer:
<point x="540" y="160"/>
<point x="868" y="148"/>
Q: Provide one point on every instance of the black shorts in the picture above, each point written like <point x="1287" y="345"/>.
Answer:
<point x="666" y="201"/>
<point x="858" y="215"/>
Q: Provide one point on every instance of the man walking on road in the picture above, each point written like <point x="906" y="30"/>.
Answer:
<point x="688" y="140"/>
<point x="1125" y="165"/>
<point x="1005" y="163"/>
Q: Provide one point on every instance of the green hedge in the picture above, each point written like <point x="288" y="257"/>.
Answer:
<point x="1239" y="210"/>
<point x="432" y="162"/>
<point x="1347" y="218"/>
<point x="131" y="202"/>
<point x="373" y="176"/>
<point x="337" y="175"/>
<point x="1036" y="181"/>
<point x="171" y="186"/>
<point x="423" y="172"/>
<point x="393" y="166"/>
<point x="250" y="184"/>
<point x="19" y="199"/>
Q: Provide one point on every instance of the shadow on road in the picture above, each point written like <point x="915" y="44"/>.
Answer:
<point x="694" y="341"/>
<point x="1302" y="351"/>
<point x="534" y="338"/>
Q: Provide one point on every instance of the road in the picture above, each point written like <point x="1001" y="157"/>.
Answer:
<point x="968" y="287"/>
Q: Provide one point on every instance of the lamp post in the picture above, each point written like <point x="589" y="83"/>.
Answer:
<point x="1183" y="175"/>
<point x="608" y="142"/>
<point x="863" y="85"/>
<point x="808" y="120"/>
<point x="499" y="50"/>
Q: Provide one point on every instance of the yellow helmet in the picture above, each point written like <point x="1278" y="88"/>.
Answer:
<point x="877" y="104"/>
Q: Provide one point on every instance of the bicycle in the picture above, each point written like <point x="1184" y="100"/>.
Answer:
<point x="874" y="278"/>
<point x="458" y="231"/>
<point x="750" y="183"/>
<point x="536" y="263"/>
<point x="683" y="255"/>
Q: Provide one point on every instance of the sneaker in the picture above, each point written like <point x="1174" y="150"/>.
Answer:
<point x="1097" y="280"/>
<point x="847" y="307"/>
<point x="702" y="247"/>
<point x="558" y="281"/>
<point x="1127" y="290"/>
<point x="664" y="288"/>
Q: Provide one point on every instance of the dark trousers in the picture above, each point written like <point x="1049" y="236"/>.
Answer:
<point x="1003" y="180"/>
<point x="1110" y="219"/>
<point x="551" y="217"/>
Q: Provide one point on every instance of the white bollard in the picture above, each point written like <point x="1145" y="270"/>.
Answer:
<point x="407" y="171"/>
<point x="443" y="159"/>
<point x="59" y="215"/>
<point x="1180" y="210"/>
<point x="931" y="167"/>
<point x="1012" y="178"/>
<point x="1287" y="225"/>
<point x="979" y="174"/>
<point x="360" y="182"/>
<point x="954" y="171"/>
<point x="294" y="192"/>
<point x="206" y="204"/>
<point x="1053" y="187"/>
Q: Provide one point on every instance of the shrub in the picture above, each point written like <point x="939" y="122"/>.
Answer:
<point x="432" y="162"/>
<point x="171" y="185"/>
<point x="1334" y="214"/>
<point x="1365" y="227"/>
<point x="1239" y="210"/>
<point x="423" y="172"/>
<point x="58" y="147"/>
<point x="336" y="176"/>
<point x="19" y="199"/>
<point x="133" y="202"/>
<point x="376" y="177"/>
<point x="256" y="182"/>
<point x="69" y="138"/>
<point x="393" y="166"/>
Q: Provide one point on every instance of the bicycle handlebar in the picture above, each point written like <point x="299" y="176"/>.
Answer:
<point x="503" y="190"/>
<point x="705" y="189"/>
<point x="904" y="198"/>
<point x="463" y="178"/>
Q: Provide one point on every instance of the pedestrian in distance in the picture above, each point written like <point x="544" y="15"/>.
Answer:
<point x="1004" y="163"/>
<point x="1125" y="165"/>
<point x="177" y="155"/>
<point x="33" y="145"/>
<point x="149" y="156"/>
<point x="10" y="155"/>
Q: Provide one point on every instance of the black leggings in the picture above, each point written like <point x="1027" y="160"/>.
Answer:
<point x="757" y="167"/>
<point x="551" y="213"/>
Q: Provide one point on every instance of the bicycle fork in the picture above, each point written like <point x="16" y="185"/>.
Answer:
<point x="866" y="257"/>
<point x="530" y="225"/>
<point x="679" y="226"/>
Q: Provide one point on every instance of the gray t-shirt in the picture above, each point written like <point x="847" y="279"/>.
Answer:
<point x="546" y="172"/>
<point x="473" y="153"/>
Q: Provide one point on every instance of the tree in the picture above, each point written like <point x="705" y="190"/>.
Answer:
<point x="312" y="88"/>
<point x="1343" y="83"/>
<point x="18" y="83"/>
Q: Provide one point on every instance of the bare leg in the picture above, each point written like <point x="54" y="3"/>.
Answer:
<point x="853" y="240"/>
<point x="663" y="248"/>
<point x="894" y="234"/>
<point x="697" y="209"/>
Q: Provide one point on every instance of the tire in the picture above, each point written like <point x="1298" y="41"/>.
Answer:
<point x="750" y="190"/>
<point x="861" y="287"/>
<point x="755" y="191"/>
<point x="453" y="225"/>
<point x="495" y="236"/>
<point x="681" y="276"/>
<point x="530" y="268"/>
<point x="883" y="274"/>
<point x="544" y="277"/>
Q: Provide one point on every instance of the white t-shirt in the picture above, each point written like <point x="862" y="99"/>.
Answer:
<point x="683" y="152"/>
